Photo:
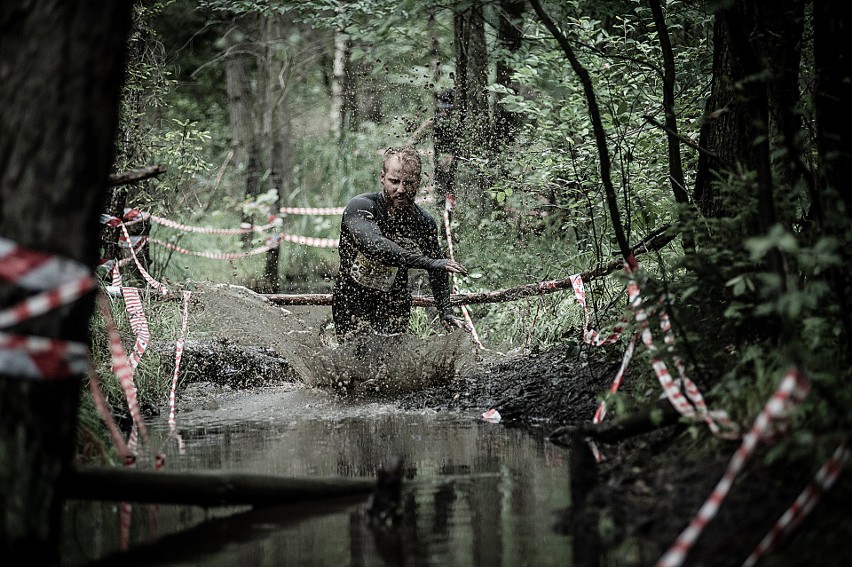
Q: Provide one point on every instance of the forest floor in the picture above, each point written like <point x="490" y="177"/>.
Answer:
<point x="628" y="509"/>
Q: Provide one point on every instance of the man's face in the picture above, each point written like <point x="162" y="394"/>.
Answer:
<point x="400" y="183"/>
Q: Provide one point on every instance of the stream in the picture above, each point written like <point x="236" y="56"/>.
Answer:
<point x="474" y="493"/>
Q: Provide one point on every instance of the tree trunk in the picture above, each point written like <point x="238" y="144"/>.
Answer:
<point x="509" y="37"/>
<point x="62" y="66"/>
<point x="342" y="93"/>
<point x="471" y="91"/>
<point x="238" y="66"/>
<point x="276" y="132"/>
<point x="832" y="53"/>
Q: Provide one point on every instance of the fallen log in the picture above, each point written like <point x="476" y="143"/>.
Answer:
<point x="656" y="416"/>
<point x="204" y="488"/>
<point x="135" y="175"/>
<point x="653" y="241"/>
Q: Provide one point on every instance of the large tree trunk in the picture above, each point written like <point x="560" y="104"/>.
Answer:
<point x="727" y="130"/>
<point x="832" y="54"/>
<point x="238" y="65"/>
<point x="61" y="68"/>
<point x="471" y="91"/>
<point x="509" y="37"/>
<point x="275" y="132"/>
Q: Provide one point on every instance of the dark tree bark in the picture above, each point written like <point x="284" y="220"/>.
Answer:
<point x="471" y="91"/>
<point x="61" y="69"/>
<point x="832" y="54"/>
<point x="509" y="37"/>
<point x="275" y="134"/>
<point x="477" y="78"/>
<point x="239" y="62"/>
<point x="833" y="57"/>
<point x="727" y="131"/>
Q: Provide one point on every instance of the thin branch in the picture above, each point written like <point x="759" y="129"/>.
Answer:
<point x="680" y="137"/>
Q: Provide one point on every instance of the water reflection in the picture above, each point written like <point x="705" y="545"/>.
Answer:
<point x="475" y="494"/>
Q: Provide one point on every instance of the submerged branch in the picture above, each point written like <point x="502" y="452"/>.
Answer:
<point x="204" y="488"/>
<point x="658" y="415"/>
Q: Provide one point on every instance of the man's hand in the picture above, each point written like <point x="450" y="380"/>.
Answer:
<point x="455" y="268"/>
<point x="451" y="323"/>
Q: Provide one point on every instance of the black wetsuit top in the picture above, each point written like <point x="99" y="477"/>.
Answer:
<point x="376" y="250"/>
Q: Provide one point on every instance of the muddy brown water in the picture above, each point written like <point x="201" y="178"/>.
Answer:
<point x="475" y="493"/>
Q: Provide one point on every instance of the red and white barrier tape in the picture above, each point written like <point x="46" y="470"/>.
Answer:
<point x="274" y="221"/>
<point x="790" y="393"/>
<point x="804" y="503"/>
<point x="178" y="355"/>
<point x="245" y="229"/>
<point x="311" y="211"/>
<point x="106" y="416"/>
<point x="35" y="270"/>
<point x="212" y="255"/>
<point x="690" y="405"/>
<point x="136" y="315"/>
<point x="591" y="336"/>
<point x="310" y="241"/>
<point x="65" y="281"/>
<point x="42" y="358"/>
<point x="145" y="275"/>
<point x="123" y="371"/>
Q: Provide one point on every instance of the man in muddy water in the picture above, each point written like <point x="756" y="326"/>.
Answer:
<point x="382" y="235"/>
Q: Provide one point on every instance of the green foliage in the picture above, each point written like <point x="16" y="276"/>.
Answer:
<point x="532" y="212"/>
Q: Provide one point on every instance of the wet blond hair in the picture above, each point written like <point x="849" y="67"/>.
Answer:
<point x="407" y="155"/>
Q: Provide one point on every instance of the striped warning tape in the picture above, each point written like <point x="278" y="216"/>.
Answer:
<point x="41" y="358"/>
<point x="274" y="238"/>
<point x="244" y="229"/>
<point x="790" y="393"/>
<point x="311" y="211"/>
<point x="106" y="416"/>
<point x="804" y="503"/>
<point x="683" y="394"/>
<point x="59" y="281"/>
<point x="123" y="370"/>
<point x="212" y="255"/>
<point x="178" y="355"/>
<point x="691" y="404"/>
<point x="591" y="336"/>
<point x="136" y="315"/>
<point x="145" y="275"/>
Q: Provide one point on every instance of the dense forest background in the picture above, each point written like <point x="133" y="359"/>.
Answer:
<point x="702" y="130"/>
<point x="707" y="141"/>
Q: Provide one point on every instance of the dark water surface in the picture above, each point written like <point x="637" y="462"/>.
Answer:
<point x="475" y="493"/>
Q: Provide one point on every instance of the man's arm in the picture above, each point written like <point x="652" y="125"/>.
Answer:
<point x="421" y="130"/>
<point x="359" y="219"/>
<point x="439" y="279"/>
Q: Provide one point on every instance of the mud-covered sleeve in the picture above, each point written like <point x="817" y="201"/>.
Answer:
<point x="439" y="279"/>
<point x="359" y="220"/>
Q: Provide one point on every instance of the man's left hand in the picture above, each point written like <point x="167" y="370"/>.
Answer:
<point x="451" y="323"/>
